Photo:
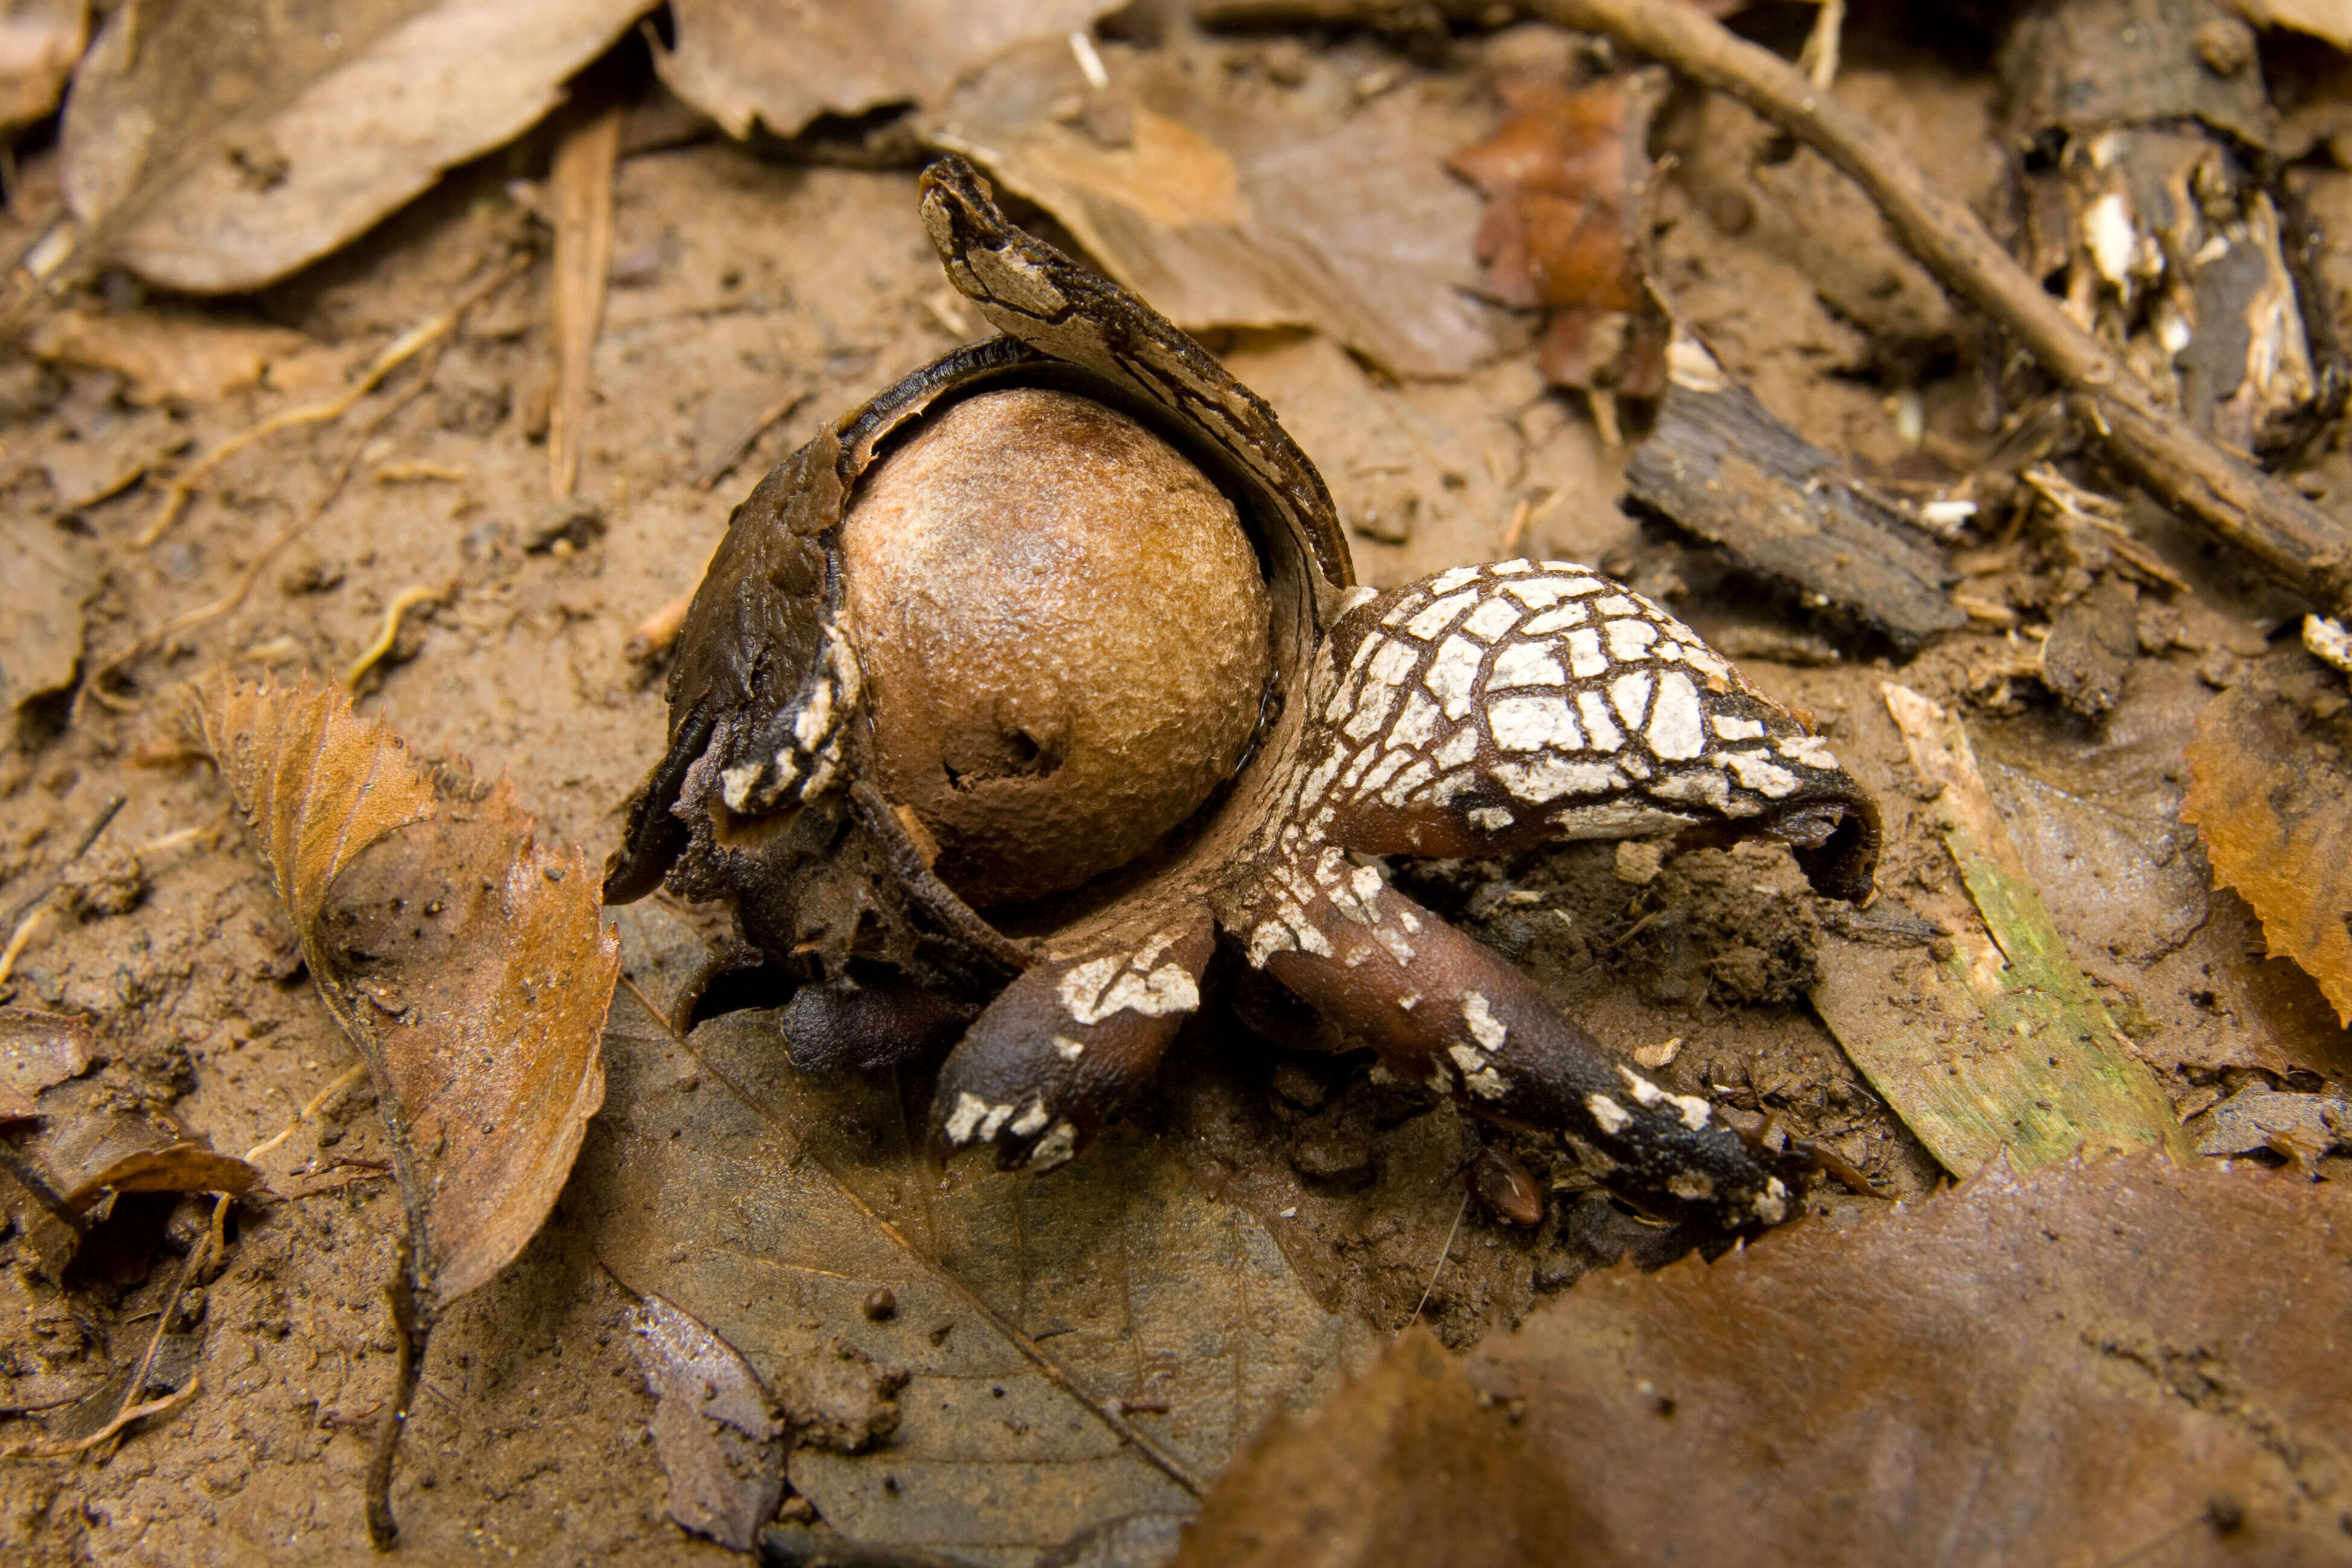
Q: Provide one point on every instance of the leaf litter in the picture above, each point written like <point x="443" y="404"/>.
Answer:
<point x="748" y="297"/>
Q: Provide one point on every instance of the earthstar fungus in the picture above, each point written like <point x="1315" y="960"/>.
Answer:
<point x="812" y="776"/>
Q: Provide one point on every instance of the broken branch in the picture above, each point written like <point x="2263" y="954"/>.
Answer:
<point x="2301" y="544"/>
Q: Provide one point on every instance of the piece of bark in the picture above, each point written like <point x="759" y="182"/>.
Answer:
<point x="2150" y="190"/>
<point x="1718" y="465"/>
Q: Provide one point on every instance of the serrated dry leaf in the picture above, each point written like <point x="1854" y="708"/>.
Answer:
<point x="1565" y="177"/>
<point x="1225" y="210"/>
<point x="217" y="145"/>
<point x="715" y="1428"/>
<point x="2269" y="790"/>
<point x="467" y="964"/>
<point x="772" y="1205"/>
<point x="39" y="42"/>
<point x="779" y="64"/>
<point x="2130" y="1361"/>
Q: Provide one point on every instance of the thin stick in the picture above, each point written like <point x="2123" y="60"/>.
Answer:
<point x="318" y="1103"/>
<point x="410" y="1329"/>
<point x="1443" y="1253"/>
<point x="2301" y="544"/>
<point x="580" y="185"/>
<point x="129" y="1414"/>
<point x="408" y="599"/>
<point x="138" y="1383"/>
<point x="97" y="825"/>
<point x="1106" y="1411"/>
<point x="284" y="537"/>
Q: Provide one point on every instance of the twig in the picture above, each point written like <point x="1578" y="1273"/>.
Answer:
<point x="1106" y="1411"/>
<point x="408" y="599"/>
<point x="19" y="939"/>
<point x="318" y="1103"/>
<point x="129" y="1414"/>
<point x="1443" y="1253"/>
<point x="582" y="187"/>
<point x="410" y="1329"/>
<point x="395" y="353"/>
<point x="97" y="825"/>
<point x="138" y="1383"/>
<point x="2298" y="543"/>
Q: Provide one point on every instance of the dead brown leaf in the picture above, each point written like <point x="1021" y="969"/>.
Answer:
<point x="38" y="1050"/>
<point x="167" y="356"/>
<point x="1565" y="177"/>
<point x="2269" y="792"/>
<point x="51" y="575"/>
<point x="39" y="42"/>
<point x="715" y="1427"/>
<point x="1041" y="1327"/>
<point x="468" y="966"/>
<point x="2126" y="1362"/>
<point x="1225" y="207"/>
<point x="219" y="144"/>
<point x="779" y="64"/>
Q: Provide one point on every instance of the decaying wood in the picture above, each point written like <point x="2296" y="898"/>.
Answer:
<point x="2302" y="545"/>
<point x="583" y="186"/>
<point x="2150" y="189"/>
<point x="1720" y="466"/>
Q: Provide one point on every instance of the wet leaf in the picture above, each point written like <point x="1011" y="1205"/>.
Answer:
<point x="51" y="576"/>
<point x="167" y="356"/>
<point x="94" y="1145"/>
<point x="779" y="64"/>
<point x="465" y="964"/>
<point x="219" y="144"/>
<point x="40" y="1049"/>
<point x="2128" y="1360"/>
<point x="1035" y="1320"/>
<point x="714" y="1426"/>
<point x="2004" y="1047"/>
<point x="1224" y="208"/>
<point x="39" y="42"/>
<point x="1566" y="178"/>
<point x="2269" y="792"/>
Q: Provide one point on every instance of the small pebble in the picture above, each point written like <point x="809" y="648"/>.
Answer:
<point x="881" y="1306"/>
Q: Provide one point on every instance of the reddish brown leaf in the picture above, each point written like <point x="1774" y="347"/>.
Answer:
<point x="1565" y="176"/>
<point x="2269" y="790"/>
<point x="467" y="964"/>
<point x="2127" y="1361"/>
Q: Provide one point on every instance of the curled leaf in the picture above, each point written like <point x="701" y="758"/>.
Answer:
<point x="2268" y="789"/>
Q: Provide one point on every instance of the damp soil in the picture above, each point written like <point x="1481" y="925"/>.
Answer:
<point x="735" y="278"/>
